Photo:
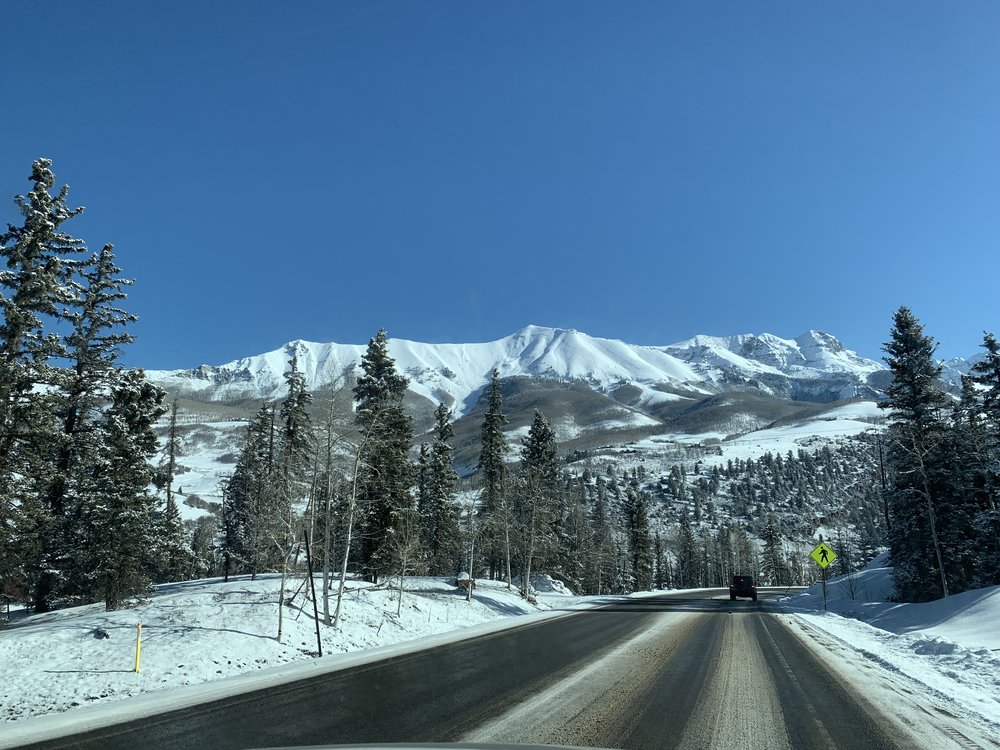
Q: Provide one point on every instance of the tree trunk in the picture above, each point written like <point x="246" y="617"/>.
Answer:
<point x="530" y="552"/>
<point x="350" y="529"/>
<point x="931" y="520"/>
<point x="506" y="540"/>
<point x="327" y="552"/>
<point x="472" y="552"/>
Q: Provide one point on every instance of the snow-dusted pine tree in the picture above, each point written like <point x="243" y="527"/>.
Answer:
<point x="915" y="402"/>
<point x="495" y="507"/>
<point x="386" y="474"/>
<point x="640" y="546"/>
<point x="35" y="289"/>
<point x="773" y="569"/>
<point x="296" y="454"/>
<point x="537" y="501"/>
<point x="176" y="556"/>
<point x="986" y="374"/>
<point x="119" y="534"/>
<point x="443" y="543"/>
<point x="250" y="510"/>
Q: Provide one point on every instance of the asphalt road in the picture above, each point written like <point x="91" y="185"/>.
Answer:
<point x="669" y="672"/>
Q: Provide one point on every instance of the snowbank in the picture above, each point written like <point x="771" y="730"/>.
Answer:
<point x="946" y="652"/>
<point x="200" y="631"/>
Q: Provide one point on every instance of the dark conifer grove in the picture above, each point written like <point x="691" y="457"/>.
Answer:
<point x="77" y="520"/>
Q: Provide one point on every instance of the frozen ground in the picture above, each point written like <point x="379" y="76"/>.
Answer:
<point x="939" y="659"/>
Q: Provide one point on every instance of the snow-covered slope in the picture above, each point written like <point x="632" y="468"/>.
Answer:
<point x="456" y="373"/>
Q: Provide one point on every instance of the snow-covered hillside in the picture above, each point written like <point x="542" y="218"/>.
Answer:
<point x="456" y="373"/>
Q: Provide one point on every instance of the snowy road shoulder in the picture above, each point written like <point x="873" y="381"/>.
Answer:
<point x="934" y="667"/>
<point x="213" y="639"/>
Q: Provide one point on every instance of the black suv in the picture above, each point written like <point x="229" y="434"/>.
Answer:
<point x="742" y="586"/>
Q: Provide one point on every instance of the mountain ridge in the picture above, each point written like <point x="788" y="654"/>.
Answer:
<point x="814" y="366"/>
<point x="600" y="395"/>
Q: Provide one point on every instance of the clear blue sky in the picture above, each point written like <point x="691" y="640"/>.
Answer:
<point x="453" y="171"/>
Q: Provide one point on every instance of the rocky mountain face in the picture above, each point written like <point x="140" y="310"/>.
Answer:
<point x="812" y="367"/>
<point x="953" y="369"/>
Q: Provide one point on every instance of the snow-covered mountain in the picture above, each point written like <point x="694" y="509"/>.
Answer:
<point x="814" y="367"/>
<point x="597" y="393"/>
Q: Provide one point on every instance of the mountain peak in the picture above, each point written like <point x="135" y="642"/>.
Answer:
<point x="533" y="330"/>
<point x="813" y="338"/>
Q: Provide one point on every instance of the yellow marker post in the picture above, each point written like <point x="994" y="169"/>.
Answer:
<point x="138" y="645"/>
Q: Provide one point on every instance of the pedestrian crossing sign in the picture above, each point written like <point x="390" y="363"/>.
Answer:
<point x="823" y="555"/>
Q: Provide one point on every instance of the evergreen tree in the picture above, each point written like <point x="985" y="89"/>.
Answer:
<point x="35" y="287"/>
<point x="171" y="450"/>
<point x="535" y="508"/>
<point x="661" y="575"/>
<point x="78" y="393"/>
<point x="986" y="373"/>
<point x="604" y="541"/>
<point x="385" y="471"/>
<point x="177" y="557"/>
<point x="686" y="570"/>
<point x="915" y="402"/>
<point x="443" y="541"/>
<point x="76" y="431"/>
<point x="639" y="540"/>
<point x="773" y="570"/>
<point x="963" y="493"/>
<point x="745" y="556"/>
<point x="493" y="467"/>
<point x="176" y="560"/>
<point x="577" y="554"/>
<point x="986" y="448"/>
<point x="424" y="510"/>
<point x="297" y="438"/>
<point x="295" y="452"/>
<point x="120" y="536"/>
<point x="251" y="509"/>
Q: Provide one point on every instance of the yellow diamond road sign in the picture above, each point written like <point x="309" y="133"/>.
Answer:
<point x="823" y="555"/>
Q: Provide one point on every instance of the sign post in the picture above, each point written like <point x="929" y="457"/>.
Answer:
<point x="824" y="557"/>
